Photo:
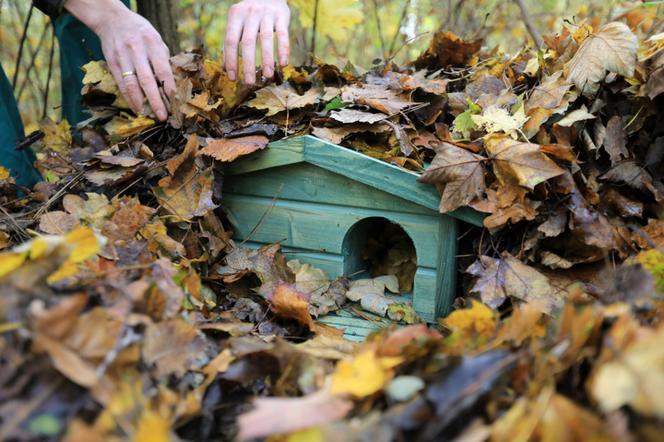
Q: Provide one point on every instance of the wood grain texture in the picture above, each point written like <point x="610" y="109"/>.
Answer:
<point x="379" y="174"/>
<point x="309" y="183"/>
<point x="322" y="227"/>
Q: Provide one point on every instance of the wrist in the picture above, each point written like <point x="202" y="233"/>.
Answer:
<point x="97" y="14"/>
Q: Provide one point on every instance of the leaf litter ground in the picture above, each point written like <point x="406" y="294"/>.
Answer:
<point x="128" y="312"/>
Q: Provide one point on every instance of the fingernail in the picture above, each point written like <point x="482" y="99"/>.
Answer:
<point x="268" y="73"/>
<point x="231" y="75"/>
<point x="162" y="115"/>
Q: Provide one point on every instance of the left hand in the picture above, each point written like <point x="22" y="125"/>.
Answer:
<point x="247" y="20"/>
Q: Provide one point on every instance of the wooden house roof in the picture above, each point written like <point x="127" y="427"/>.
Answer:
<point x="372" y="172"/>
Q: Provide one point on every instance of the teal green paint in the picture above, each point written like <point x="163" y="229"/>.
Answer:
<point x="306" y="182"/>
<point x="322" y="227"/>
<point x="314" y="198"/>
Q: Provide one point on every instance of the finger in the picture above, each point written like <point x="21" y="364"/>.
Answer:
<point x="160" y="60"/>
<point x="267" y="45"/>
<point x="231" y="41"/>
<point x="249" y="35"/>
<point x="148" y="83"/>
<point x="283" y="40"/>
<point x="134" y="94"/>
<point x="116" y="71"/>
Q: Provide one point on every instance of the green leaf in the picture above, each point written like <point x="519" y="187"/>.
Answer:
<point x="45" y="425"/>
<point x="335" y="104"/>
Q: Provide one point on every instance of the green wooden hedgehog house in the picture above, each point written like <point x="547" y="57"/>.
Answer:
<point x="321" y="201"/>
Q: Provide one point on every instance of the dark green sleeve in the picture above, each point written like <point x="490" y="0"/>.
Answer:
<point x="19" y="162"/>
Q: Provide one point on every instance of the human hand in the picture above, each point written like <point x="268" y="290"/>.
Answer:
<point x="135" y="53"/>
<point x="247" y="20"/>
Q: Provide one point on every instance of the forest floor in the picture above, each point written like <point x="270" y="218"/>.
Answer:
<point x="128" y="311"/>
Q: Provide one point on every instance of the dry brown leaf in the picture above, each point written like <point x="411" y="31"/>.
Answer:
<point x="172" y="347"/>
<point x="507" y="277"/>
<point x="287" y="302"/>
<point x="520" y="163"/>
<point x="229" y="149"/>
<point x="277" y="99"/>
<point x="615" y="143"/>
<point x="461" y="173"/>
<point x="612" y="48"/>
<point x="57" y="222"/>
<point x="187" y="192"/>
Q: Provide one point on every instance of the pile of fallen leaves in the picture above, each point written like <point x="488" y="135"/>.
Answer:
<point x="128" y="312"/>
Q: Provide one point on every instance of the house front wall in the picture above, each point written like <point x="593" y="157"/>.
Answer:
<point x="310" y="211"/>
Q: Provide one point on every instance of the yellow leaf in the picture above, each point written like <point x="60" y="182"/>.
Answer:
<point x="479" y="319"/>
<point x="124" y="127"/>
<point x="4" y="173"/>
<point x="85" y="244"/>
<point x="11" y="261"/>
<point x="152" y="427"/>
<point x="362" y="376"/>
<point x="313" y="434"/>
<point x="57" y="136"/>
<point x="97" y="73"/>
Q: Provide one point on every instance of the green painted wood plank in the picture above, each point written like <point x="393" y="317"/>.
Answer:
<point x="279" y="153"/>
<point x="355" y="328"/>
<point x="322" y="227"/>
<point x="447" y="271"/>
<point x="379" y="174"/>
<point x="424" y="299"/>
<point x="310" y="183"/>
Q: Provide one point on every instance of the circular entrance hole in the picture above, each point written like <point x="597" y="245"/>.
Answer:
<point x="376" y="246"/>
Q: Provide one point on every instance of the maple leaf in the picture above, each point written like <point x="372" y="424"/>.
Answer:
<point x="277" y="99"/>
<point x="187" y="192"/>
<point x="612" y="48"/>
<point x="500" y="278"/>
<point x="520" y="163"/>
<point x="461" y="172"/>
<point x="496" y="119"/>
<point x="229" y="149"/>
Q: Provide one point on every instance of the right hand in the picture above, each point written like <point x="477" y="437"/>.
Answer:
<point x="136" y="55"/>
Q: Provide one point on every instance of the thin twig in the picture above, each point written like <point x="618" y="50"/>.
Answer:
<point x="404" y="13"/>
<point x="312" y="48"/>
<point x="379" y="29"/>
<point x="21" y="45"/>
<point x="50" y="71"/>
<point x="525" y="16"/>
